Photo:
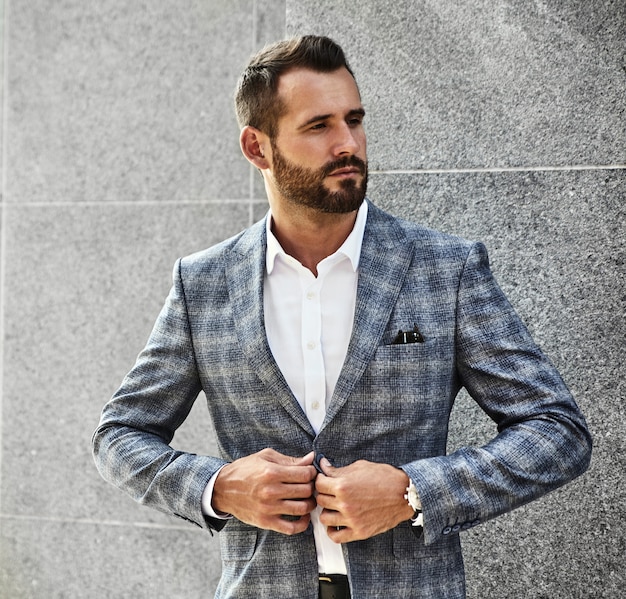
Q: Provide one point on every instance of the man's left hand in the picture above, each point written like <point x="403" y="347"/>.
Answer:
<point x="361" y="500"/>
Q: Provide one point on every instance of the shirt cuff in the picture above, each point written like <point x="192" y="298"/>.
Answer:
<point x="207" y="498"/>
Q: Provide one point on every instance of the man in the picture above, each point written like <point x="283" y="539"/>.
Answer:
<point x="331" y="340"/>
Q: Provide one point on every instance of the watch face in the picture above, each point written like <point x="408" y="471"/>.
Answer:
<point x="413" y="498"/>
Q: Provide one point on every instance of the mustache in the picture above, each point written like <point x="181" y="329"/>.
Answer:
<point x="345" y="162"/>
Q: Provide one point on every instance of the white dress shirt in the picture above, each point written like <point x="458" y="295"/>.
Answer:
<point x="309" y="321"/>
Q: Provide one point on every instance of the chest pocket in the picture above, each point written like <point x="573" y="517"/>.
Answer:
<point x="413" y="371"/>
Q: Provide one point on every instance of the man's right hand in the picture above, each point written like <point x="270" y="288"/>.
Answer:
<point x="268" y="490"/>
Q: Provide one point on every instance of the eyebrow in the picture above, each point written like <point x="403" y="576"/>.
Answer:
<point x="323" y="117"/>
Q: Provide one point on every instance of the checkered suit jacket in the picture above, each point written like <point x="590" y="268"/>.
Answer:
<point x="391" y="404"/>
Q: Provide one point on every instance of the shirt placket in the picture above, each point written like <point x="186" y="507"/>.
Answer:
<point x="314" y="373"/>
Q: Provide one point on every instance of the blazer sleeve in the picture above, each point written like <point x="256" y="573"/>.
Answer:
<point x="131" y="444"/>
<point x="542" y="442"/>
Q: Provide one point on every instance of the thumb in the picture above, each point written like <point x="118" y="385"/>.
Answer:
<point x="271" y="455"/>
<point x="306" y="460"/>
<point x="326" y="467"/>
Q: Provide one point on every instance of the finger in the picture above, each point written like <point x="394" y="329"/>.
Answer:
<point x="293" y="510"/>
<point x="295" y="507"/>
<point x="331" y="518"/>
<point x="290" y="526"/>
<point x="286" y="460"/>
<point x="290" y="518"/>
<point x="297" y="474"/>
<point x="324" y="486"/>
<point x="340" y="534"/>
<point x="325" y="500"/>
<point x="306" y="460"/>
<point x="286" y="468"/>
<point x="328" y="483"/>
<point x="327" y="468"/>
<point x="296" y="491"/>
<point x="281" y="459"/>
<point x="323" y="482"/>
<point x="271" y="455"/>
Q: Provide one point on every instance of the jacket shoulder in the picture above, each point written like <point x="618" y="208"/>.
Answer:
<point x="399" y="230"/>
<point x="215" y="258"/>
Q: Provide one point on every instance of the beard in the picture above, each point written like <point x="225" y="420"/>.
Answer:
<point x="305" y="187"/>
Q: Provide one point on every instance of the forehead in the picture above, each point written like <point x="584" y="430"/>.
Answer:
<point x="305" y="94"/>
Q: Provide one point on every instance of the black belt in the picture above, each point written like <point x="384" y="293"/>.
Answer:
<point x="334" y="586"/>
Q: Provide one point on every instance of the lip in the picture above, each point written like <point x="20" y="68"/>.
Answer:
<point x="345" y="172"/>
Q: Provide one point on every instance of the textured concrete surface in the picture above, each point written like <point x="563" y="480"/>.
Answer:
<point x="556" y="242"/>
<point x="120" y="154"/>
<point x="90" y="560"/>
<point x="484" y="83"/>
<point x="504" y="122"/>
<point x="86" y="283"/>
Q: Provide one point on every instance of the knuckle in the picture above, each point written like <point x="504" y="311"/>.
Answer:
<point x="264" y="453"/>
<point x="300" y="509"/>
<point x="293" y="528"/>
<point x="341" y="487"/>
<point x="265" y="495"/>
<point x="267" y="471"/>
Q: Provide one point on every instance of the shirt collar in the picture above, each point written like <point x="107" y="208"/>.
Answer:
<point x="350" y="248"/>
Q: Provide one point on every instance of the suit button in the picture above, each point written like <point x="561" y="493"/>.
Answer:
<point x="476" y="523"/>
<point x="446" y="531"/>
<point x="456" y="528"/>
<point x="466" y="525"/>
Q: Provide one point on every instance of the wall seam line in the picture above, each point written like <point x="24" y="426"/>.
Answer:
<point x="510" y="169"/>
<point x="3" y="214"/>
<point x="255" y="33"/>
<point x="94" y="522"/>
<point x="133" y="204"/>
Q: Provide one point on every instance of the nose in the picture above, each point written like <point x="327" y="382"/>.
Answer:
<point x="349" y="140"/>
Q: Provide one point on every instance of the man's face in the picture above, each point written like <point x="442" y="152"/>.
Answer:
<point x="319" y="153"/>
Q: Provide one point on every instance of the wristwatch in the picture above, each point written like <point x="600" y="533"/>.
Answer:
<point x="414" y="501"/>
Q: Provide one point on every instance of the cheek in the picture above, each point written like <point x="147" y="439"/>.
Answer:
<point x="310" y="157"/>
<point x="314" y="156"/>
<point x="363" y="144"/>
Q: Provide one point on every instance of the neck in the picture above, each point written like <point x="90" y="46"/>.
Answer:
<point x="310" y="236"/>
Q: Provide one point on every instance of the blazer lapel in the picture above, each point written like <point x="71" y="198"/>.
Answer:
<point x="385" y="258"/>
<point x="245" y="270"/>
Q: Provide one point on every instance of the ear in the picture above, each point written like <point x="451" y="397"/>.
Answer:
<point x="254" y="144"/>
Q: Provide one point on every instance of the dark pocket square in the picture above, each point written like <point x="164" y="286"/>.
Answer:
<point x="404" y="337"/>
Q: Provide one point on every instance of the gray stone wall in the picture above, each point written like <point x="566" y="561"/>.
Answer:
<point x="120" y="154"/>
<point x="504" y="121"/>
<point x="501" y="121"/>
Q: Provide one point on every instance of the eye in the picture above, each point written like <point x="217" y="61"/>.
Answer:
<point x="318" y="126"/>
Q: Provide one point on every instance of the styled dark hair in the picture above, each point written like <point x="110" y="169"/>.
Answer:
<point x="256" y="102"/>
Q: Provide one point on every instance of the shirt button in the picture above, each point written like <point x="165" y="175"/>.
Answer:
<point x="310" y="345"/>
<point x="315" y="405"/>
<point x="310" y="295"/>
